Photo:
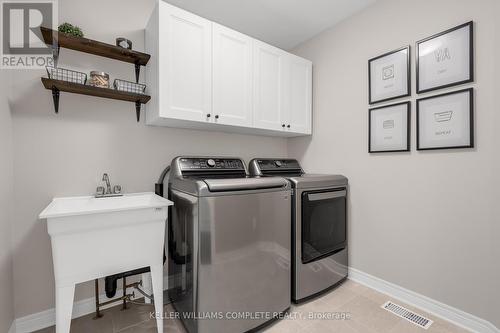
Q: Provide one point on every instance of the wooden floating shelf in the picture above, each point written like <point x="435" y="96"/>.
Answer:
<point x="84" y="89"/>
<point x="94" y="47"/>
<point x="57" y="85"/>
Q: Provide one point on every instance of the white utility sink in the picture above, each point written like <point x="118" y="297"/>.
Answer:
<point x="96" y="237"/>
<point x="72" y="206"/>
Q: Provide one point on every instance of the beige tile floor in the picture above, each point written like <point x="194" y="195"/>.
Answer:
<point x="361" y="303"/>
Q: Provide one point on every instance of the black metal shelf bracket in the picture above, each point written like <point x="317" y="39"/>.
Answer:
<point x="55" y="97"/>
<point x="137" y="72"/>
<point x="138" y="110"/>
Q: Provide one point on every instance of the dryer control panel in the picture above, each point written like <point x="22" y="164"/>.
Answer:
<point x="271" y="167"/>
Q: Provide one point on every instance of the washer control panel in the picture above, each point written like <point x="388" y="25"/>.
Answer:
<point x="270" y="164"/>
<point x="197" y="163"/>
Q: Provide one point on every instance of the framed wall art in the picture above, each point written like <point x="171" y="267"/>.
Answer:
<point x="446" y="121"/>
<point x="389" y="76"/>
<point x="446" y="59"/>
<point x="389" y="128"/>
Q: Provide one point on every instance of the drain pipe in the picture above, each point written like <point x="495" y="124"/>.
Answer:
<point x="161" y="180"/>
<point x="176" y="257"/>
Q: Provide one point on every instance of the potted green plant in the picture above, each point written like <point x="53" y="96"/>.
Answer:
<point x="70" y="29"/>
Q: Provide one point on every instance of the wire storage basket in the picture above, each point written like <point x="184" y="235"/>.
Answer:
<point x="67" y="75"/>
<point x="130" y="87"/>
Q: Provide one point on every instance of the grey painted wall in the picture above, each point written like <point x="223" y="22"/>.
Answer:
<point x="6" y="199"/>
<point x="66" y="154"/>
<point x="428" y="221"/>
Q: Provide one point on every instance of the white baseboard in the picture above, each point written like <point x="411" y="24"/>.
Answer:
<point x="47" y="318"/>
<point x="438" y="309"/>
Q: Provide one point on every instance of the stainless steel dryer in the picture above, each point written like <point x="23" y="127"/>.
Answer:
<point x="230" y="245"/>
<point x="319" y="226"/>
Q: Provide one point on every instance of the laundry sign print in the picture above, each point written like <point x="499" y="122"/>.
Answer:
<point x="444" y="116"/>
<point x="388" y="72"/>
<point x="442" y="54"/>
<point x="387" y="124"/>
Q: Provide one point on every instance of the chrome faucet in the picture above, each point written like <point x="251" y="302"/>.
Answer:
<point x="105" y="178"/>
<point x="101" y="192"/>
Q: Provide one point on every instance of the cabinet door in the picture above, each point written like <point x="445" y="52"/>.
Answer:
<point x="269" y="67"/>
<point x="185" y="65"/>
<point x="299" y="95"/>
<point x="232" y="77"/>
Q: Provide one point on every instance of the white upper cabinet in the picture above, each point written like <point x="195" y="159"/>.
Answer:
<point x="282" y="90"/>
<point x="203" y="75"/>
<point x="232" y="77"/>
<point x="185" y="64"/>
<point x="269" y="86"/>
<point x="299" y="96"/>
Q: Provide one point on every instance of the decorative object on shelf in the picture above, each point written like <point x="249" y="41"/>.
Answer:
<point x="389" y="76"/>
<point x="446" y="59"/>
<point x="124" y="43"/>
<point x="128" y="86"/>
<point x="389" y="128"/>
<point x="446" y="121"/>
<point x="70" y="30"/>
<point x="57" y="73"/>
<point x="99" y="79"/>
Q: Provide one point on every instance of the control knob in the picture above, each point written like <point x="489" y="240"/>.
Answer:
<point x="278" y="163"/>
<point x="211" y="163"/>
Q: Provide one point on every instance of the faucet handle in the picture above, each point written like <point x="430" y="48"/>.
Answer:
<point x="100" y="191"/>
<point x="117" y="189"/>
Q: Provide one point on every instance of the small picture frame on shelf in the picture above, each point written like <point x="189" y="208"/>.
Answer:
<point x="446" y="121"/>
<point x="389" y="76"/>
<point x="446" y="59"/>
<point x="389" y="128"/>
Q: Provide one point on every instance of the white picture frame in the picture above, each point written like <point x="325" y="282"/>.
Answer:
<point x="389" y="76"/>
<point x="389" y="128"/>
<point x="445" y="59"/>
<point x="446" y="121"/>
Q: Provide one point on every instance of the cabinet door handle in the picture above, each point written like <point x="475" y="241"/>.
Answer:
<point x="216" y="116"/>
<point x="288" y="126"/>
<point x="283" y="125"/>
<point x="208" y="115"/>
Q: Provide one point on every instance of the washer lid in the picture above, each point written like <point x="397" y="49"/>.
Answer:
<point x="205" y="187"/>
<point x="244" y="184"/>
<point x="318" y="181"/>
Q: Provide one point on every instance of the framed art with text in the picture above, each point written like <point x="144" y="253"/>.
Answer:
<point x="446" y="59"/>
<point x="446" y="121"/>
<point x="389" y="128"/>
<point x="389" y="76"/>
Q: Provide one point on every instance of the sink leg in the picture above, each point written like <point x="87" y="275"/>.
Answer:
<point x="124" y="305"/>
<point x="98" y="313"/>
<point x="157" y="277"/>
<point x="64" y="307"/>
